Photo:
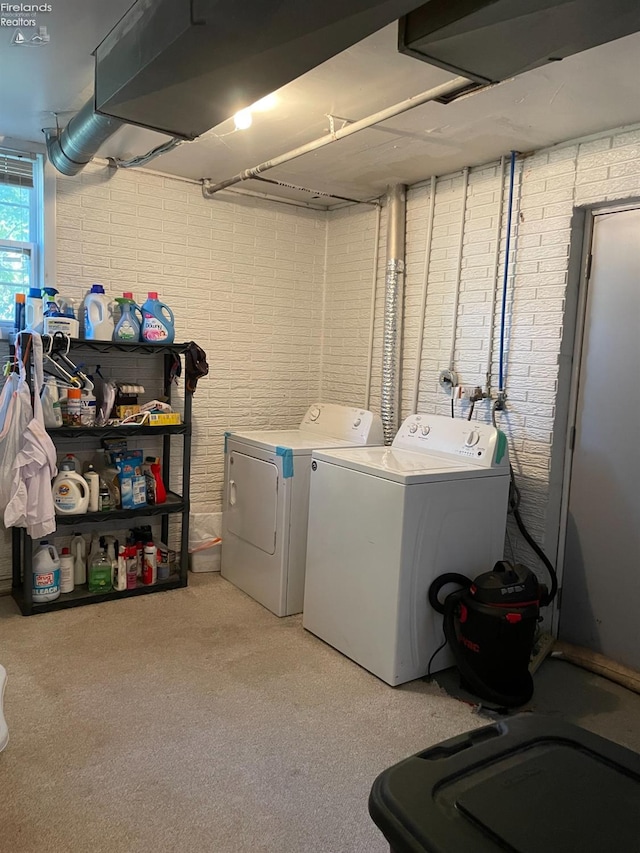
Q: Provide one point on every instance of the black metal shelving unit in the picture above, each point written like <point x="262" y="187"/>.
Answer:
<point x="22" y="545"/>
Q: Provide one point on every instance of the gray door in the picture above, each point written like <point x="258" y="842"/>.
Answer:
<point x="601" y="582"/>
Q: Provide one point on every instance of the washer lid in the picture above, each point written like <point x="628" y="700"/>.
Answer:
<point x="403" y="466"/>
<point x="296" y="440"/>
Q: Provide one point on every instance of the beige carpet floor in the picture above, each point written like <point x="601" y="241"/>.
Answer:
<point x="195" y="720"/>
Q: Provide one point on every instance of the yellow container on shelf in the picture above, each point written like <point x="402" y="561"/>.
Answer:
<point x="164" y="418"/>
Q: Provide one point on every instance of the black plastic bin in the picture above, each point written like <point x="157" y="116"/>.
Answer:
<point x="528" y="784"/>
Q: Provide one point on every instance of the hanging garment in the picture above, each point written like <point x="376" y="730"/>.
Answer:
<point x="31" y="502"/>
<point x="196" y="365"/>
<point x="15" y="414"/>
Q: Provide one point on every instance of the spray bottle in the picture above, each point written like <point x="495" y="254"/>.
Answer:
<point x="79" y="554"/>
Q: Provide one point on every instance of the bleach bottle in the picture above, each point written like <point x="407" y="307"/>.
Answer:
<point x="128" y="327"/>
<point x="46" y="573"/>
<point x="98" y="317"/>
<point x="157" y="321"/>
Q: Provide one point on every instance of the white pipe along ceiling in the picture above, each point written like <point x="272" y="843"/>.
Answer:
<point x="449" y="88"/>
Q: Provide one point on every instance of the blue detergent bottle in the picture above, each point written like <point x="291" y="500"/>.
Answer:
<point x="128" y="327"/>
<point x="157" y="321"/>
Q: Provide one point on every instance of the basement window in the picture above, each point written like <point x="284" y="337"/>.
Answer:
<point x="21" y="228"/>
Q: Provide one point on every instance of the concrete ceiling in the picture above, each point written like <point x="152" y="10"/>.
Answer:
<point x="586" y="93"/>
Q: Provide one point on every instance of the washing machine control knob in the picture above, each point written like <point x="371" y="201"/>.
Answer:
<point x="413" y="429"/>
<point x="357" y="422"/>
<point x="472" y="438"/>
<point x="314" y="413"/>
<point x="425" y="430"/>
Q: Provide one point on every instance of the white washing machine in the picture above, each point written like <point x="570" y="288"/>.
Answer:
<point x="384" y="522"/>
<point x="266" y="500"/>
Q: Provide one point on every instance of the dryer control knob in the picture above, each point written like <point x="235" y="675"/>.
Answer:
<point x="472" y="438"/>
<point x="425" y="430"/>
<point x="413" y="428"/>
<point x="357" y="422"/>
<point x="314" y="413"/>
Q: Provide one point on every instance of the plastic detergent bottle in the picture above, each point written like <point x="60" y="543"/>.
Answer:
<point x="70" y="491"/>
<point x="93" y="479"/>
<point x="128" y="327"/>
<point x="50" y="399"/>
<point x="33" y="310"/>
<point x="67" y="579"/>
<point x="98" y="317"/>
<point x="79" y="554"/>
<point x="46" y="573"/>
<point x="71" y="457"/>
<point x="157" y="321"/>
<point x="100" y="573"/>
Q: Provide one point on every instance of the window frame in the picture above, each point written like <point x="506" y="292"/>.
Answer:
<point x="42" y="244"/>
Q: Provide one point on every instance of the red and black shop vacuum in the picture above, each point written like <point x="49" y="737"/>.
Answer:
<point x="490" y="626"/>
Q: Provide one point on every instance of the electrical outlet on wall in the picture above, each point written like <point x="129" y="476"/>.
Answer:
<point x="448" y="380"/>
<point x="473" y="393"/>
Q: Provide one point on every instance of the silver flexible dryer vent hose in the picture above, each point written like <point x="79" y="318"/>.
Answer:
<point x="394" y="278"/>
<point x="71" y="150"/>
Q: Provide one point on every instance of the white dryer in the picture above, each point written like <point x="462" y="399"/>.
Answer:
<point x="266" y="500"/>
<point x="384" y="522"/>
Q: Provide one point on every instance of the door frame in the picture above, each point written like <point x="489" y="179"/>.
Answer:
<point x="570" y="362"/>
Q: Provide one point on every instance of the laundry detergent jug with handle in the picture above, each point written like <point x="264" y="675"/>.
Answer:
<point x="70" y="491"/>
<point x="34" y="319"/>
<point x="128" y="327"/>
<point x="157" y="321"/>
<point x="46" y="573"/>
<point x="98" y="316"/>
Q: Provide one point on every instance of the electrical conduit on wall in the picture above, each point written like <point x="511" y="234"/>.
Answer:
<point x="372" y="311"/>
<point x="394" y="278"/>
<point x="456" y="300"/>
<point x="423" y="301"/>
<point x="496" y="275"/>
<point x="505" y="279"/>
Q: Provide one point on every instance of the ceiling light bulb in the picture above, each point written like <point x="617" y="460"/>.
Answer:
<point x="243" y="119"/>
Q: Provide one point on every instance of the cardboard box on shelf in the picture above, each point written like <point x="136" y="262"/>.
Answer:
<point x="164" y="418"/>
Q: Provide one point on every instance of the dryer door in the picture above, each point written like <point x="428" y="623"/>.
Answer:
<point x="252" y="500"/>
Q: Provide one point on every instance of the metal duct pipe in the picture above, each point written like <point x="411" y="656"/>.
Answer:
<point x="396" y="215"/>
<point x="71" y="150"/>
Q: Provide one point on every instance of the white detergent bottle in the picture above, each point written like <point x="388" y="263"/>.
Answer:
<point x="93" y="479"/>
<point x="70" y="491"/>
<point x="67" y="579"/>
<point x="98" y="315"/>
<point x="72" y="459"/>
<point x="34" y="316"/>
<point x="79" y="554"/>
<point x="46" y="573"/>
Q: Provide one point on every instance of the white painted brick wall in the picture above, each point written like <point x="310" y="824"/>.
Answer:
<point x="549" y="185"/>
<point x="244" y="279"/>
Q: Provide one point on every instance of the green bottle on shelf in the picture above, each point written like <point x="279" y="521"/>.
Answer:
<point x="99" y="572"/>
